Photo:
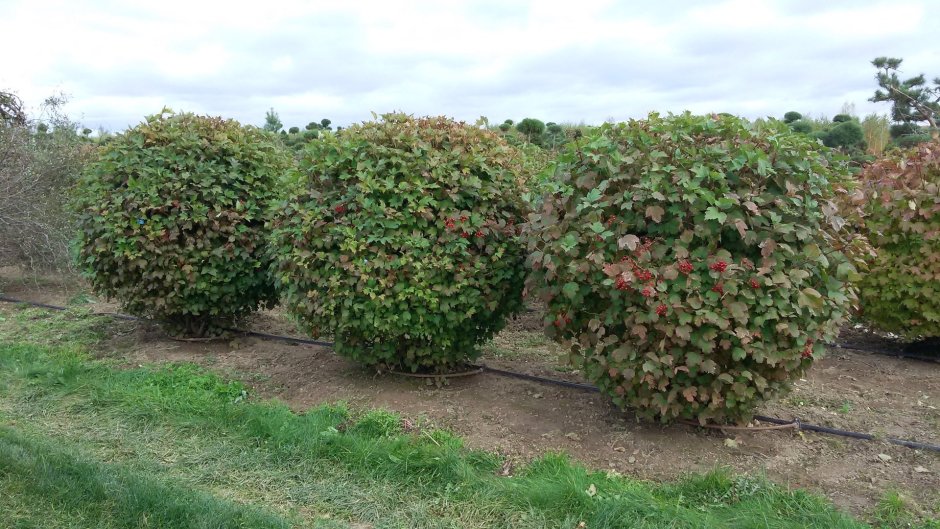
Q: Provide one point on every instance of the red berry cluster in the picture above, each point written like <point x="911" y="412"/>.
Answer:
<point x="340" y="209"/>
<point x="754" y="284"/>
<point x="807" y="349"/>
<point x="642" y="275"/>
<point x="719" y="288"/>
<point x="685" y="267"/>
<point x="562" y="319"/>
<point x="661" y="310"/>
<point x="451" y="223"/>
<point x="611" y="219"/>
<point x="719" y="266"/>
<point x="622" y="284"/>
<point x="479" y="233"/>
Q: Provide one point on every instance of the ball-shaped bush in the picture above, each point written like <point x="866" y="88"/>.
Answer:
<point x="693" y="265"/>
<point x="401" y="239"/>
<point x="901" y="290"/>
<point x="172" y="220"/>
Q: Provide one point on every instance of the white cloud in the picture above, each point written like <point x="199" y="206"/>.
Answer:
<point x="553" y="59"/>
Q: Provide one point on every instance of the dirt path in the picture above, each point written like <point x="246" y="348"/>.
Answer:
<point x="519" y="419"/>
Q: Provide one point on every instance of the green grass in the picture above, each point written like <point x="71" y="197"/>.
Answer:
<point x="89" y="443"/>
<point x="894" y="511"/>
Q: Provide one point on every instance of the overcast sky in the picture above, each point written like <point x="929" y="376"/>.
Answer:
<point x="570" y="61"/>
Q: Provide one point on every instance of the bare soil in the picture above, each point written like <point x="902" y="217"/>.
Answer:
<point x="850" y="390"/>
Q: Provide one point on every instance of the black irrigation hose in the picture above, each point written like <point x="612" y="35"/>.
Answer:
<point x="564" y="383"/>
<point x="534" y="378"/>
<point x="799" y="424"/>
<point x="846" y="433"/>
<point x="279" y="338"/>
<point x="895" y="354"/>
<point x="127" y="317"/>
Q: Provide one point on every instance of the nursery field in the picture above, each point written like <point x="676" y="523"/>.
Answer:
<point x="65" y="425"/>
<point x="683" y="321"/>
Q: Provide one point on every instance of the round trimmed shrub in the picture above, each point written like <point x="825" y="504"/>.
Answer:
<point x="901" y="290"/>
<point x="172" y="220"/>
<point x="694" y="265"/>
<point x="402" y="241"/>
<point x="792" y="116"/>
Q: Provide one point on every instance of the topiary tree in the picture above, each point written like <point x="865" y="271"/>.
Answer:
<point x="293" y="130"/>
<point x="696" y="265"/>
<point x="842" y="118"/>
<point x="792" y="116"/>
<point x="901" y="290"/>
<point x="898" y="130"/>
<point x="172" y="217"/>
<point x="801" y="126"/>
<point x="532" y="128"/>
<point x="402" y="241"/>
<point x="845" y="135"/>
<point x="912" y="100"/>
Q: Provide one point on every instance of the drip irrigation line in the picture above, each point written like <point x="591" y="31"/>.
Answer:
<point x="128" y="317"/>
<point x="895" y="354"/>
<point x="854" y="435"/>
<point x="279" y="338"/>
<point x="795" y="423"/>
<point x="474" y="370"/>
<point x="534" y="378"/>
<point x="782" y="426"/>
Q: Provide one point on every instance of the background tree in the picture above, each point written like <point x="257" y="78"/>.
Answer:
<point x="293" y="130"/>
<point x="802" y="126"/>
<point x="532" y="128"/>
<point x="36" y="172"/>
<point x="845" y="135"/>
<point x="792" y="116"/>
<point x="912" y="100"/>
<point x="11" y="109"/>
<point x="555" y="134"/>
<point x="325" y="124"/>
<point x="272" y="122"/>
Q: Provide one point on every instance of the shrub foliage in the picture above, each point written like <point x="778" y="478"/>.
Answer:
<point x="401" y="240"/>
<point x="172" y="218"/>
<point x="39" y="162"/>
<point x="696" y="264"/>
<point x="901" y="291"/>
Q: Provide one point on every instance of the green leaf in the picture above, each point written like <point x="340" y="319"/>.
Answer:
<point x="570" y="290"/>
<point x="809" y="297"/>
<point x="712" y="213"/>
